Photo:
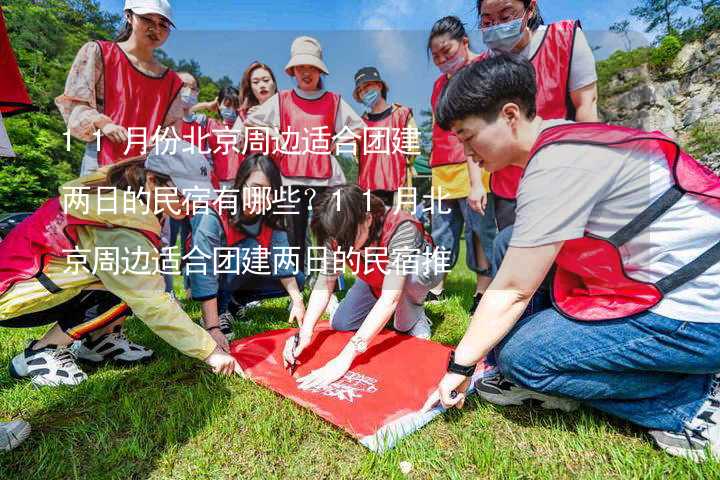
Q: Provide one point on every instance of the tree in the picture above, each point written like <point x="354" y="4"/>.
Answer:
<point x="659" y="15"/>
<point x="623" y="28"/>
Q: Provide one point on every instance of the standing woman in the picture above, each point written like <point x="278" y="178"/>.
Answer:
<point x="566" y="83"/>
<point x="108" y="78"/>
<point x="450" y="48"/>
<point x="312" y="116"/>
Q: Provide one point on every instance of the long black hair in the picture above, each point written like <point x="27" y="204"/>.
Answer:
<point x="450" y="25"/>
<point x="533" y="22"/>
<point x="252" y="163"/>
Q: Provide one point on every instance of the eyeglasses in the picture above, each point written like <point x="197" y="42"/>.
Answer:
<point x="163" y="25"/>
<point x="505" y="16"/>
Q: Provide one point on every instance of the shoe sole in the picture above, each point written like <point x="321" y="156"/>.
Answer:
<point x="545" y="402"/>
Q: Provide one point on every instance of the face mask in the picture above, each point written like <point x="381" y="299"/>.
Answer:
<point x="228" y="114"/>
<point x="188" y="98"/>
<point x="453" y="65"/>
<point x="504" y="37"/>
<point x="370" y="99"/>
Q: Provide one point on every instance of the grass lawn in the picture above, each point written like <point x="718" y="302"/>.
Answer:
<point x="171" y="418"/>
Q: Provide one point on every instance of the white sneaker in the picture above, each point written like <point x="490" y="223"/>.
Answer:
<point x="49" y="366"/>
<point x="225" y="322"/>
<point x="421" y="329"/>
<point x="13" y="434"/>
<point x="113" y="346"/>
<point x="499" y="390"/>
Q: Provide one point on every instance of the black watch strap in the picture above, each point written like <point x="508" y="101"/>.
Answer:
<point x="459" y="369"/>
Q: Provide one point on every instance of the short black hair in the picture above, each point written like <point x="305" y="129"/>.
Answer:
<point x="450" y="25"/>
<point x="484" y="87"/>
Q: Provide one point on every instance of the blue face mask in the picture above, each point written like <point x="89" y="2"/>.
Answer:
<point x="504" y="37"/>
<point x="370" y="98"/>
<point x="228" y="114"/>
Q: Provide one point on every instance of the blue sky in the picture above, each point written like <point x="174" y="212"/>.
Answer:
<point x="224" y="36"/>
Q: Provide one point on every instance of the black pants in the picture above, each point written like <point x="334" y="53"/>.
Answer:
<point x="297" y="225"/>
<point x="79" y="316"/>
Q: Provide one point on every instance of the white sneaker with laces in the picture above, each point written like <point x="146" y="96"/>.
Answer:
<point x="422" y="329"/>
<point x="114" y="346"/>
<point x="48" y="366"/>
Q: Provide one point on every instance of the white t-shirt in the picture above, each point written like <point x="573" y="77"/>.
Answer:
<point x="567" y="190"/>
<point x="5" y="146"/>
<point x="582" y="65"/>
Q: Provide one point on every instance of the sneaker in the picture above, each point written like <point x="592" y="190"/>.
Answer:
<point x="433" y="297"/>
<point x="700" y="437"/>
<point x="114" y="346"/>
<point x="225" y="322"/>
<point x="48" y="366"/>
<point x="499" y="390"/>
<point x="421" y="329"/>
<point x="476" y="302"/>
<point x="13" y="434"/>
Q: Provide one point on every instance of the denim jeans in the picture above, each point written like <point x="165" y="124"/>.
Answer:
<point x="648" y="369"/>
<point x="447" y="229"/>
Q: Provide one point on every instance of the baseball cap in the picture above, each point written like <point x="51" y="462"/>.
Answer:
<point x="143" y="7"/>
<point x="185" y="165"/>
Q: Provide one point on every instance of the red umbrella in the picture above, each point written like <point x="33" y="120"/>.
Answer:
<point x="13" y="95"/>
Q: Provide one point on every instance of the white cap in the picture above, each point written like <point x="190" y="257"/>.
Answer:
<point x="143" y="7"/>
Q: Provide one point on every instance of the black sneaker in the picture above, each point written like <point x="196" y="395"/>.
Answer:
<point x="700" y="437"/>
<point x="499" y="390"/>
<point x="48" y="366"/>
<point x="476" y="302"/>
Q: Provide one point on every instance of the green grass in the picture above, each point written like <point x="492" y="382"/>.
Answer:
<point x="171" y="418"/>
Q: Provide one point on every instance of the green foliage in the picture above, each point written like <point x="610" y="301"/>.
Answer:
<point x="663" y="56"/>
<point x="704" y="139"/>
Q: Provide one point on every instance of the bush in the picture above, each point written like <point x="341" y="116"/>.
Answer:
<point x="663" y="56"/>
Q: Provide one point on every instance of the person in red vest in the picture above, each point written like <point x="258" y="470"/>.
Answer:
<point x="84" y="267"/>
<point x="384" y="167"/>
<point x="107" y="78"/>
<point x="630" y="224"/>
<point x="261" y="264"/>
<point x="567" y="86"/>
<point x="306" y="121"/>
<point x="449" y="45"/>
<point x="391" y="255"/>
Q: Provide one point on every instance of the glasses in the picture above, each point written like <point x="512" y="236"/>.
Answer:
<point x="506" y="16"/>
<point x="150" y="23"/>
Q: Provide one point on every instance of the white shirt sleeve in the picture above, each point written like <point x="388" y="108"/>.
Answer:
<point x="582" y="67"/>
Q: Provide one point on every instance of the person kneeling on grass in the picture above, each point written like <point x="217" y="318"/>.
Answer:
<point x="385" y="247"/>
<point x="261" y="244"/>
<point x="42" y="280"/>
<point x="630" y="224"/>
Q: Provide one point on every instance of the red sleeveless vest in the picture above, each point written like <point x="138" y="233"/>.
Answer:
<point x="552" y="63"/>
<point x="382" y="171"/>
<point x="25" y="252"/>
<point x="132" y="99"/>
<point x="590" y="281"/>
<point x="300" y="120"/>
<point x="446" y="148"/>
<point x="226" y="160"/>
<point x="375" y="276"/>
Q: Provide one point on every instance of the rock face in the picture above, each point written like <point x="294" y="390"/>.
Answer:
<point x="673" y="106"/>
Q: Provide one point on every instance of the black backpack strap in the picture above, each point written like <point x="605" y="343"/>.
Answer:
<point x="647" y="217"/>
<point x="691" y="270"/>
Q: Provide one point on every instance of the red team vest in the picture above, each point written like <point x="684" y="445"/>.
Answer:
<point x="552" y="63"/>
<point x="26" y="250"/>
<point x="380" y="171"/>
<point x="446" y="148"/>
<point x="590" y="280"/>
<point x="374" y="276"/>
<point x="226" y="160"/>
<point x="132" y="99"/>
<point x="305" y="117"/>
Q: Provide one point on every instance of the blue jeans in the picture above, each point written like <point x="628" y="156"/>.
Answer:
<point x="447" y="229"/>
<point x="651" y="370"/>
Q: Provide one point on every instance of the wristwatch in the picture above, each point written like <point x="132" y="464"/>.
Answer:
<point x="459" y="369"/>
<point x="359" y="344"/>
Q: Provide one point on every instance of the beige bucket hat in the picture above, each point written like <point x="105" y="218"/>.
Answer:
<point x="306" y="51"/>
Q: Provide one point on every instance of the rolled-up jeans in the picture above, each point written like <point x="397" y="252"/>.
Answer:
<point x="358" y="302"/>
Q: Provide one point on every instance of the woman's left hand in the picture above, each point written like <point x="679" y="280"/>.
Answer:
<point x="451" y="382"/>
<point x="324" y="376"/>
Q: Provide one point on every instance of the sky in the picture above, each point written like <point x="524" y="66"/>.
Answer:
<point x="224" y="36"/>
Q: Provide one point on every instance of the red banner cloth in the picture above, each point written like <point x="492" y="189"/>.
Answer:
<point x="378" y="401"/>
<point x="13" y="95"/>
